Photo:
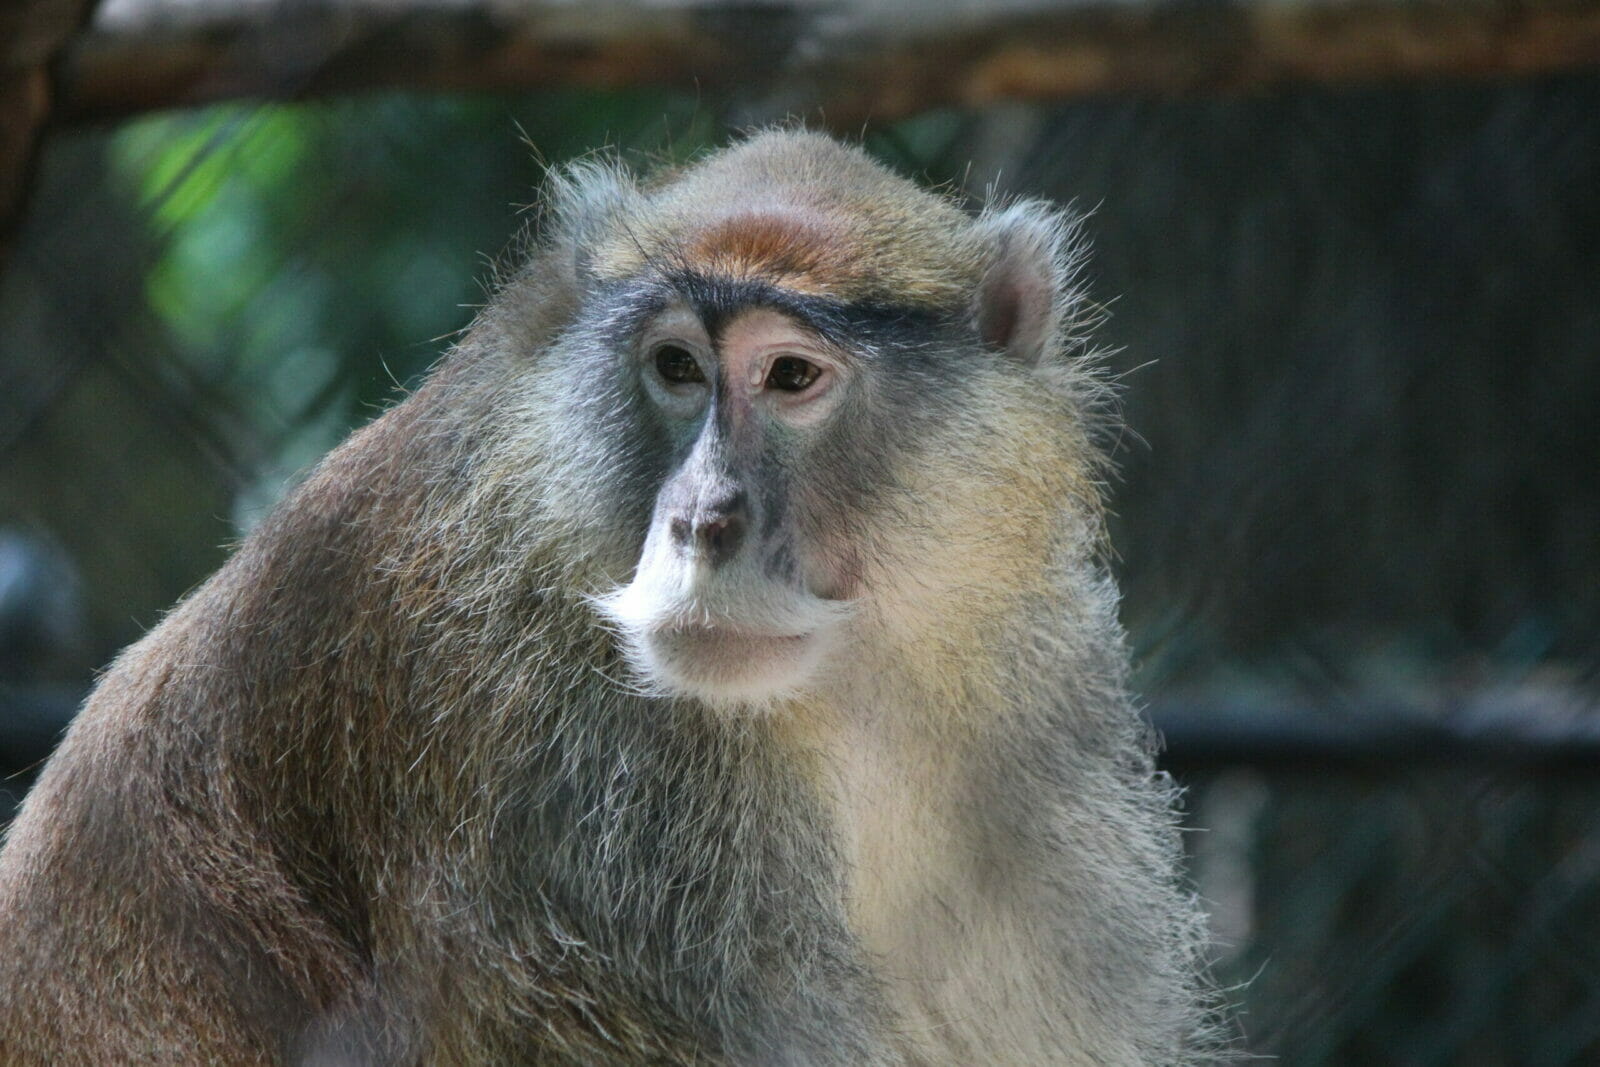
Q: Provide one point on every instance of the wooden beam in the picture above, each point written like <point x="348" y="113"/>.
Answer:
<point x="1505" y="729"/>
<point x="31" y="33"/>
<point x="841" y="60"/>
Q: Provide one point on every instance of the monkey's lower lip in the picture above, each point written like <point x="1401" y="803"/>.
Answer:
<point x="724" y="661"/>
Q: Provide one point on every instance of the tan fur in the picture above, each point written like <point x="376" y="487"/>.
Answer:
<point x="386" y="789"/>
<point x="826" y="223"/>
<point x="962" y="962"/>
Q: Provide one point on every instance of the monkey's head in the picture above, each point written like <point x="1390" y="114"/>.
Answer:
<point x="797" y="404"/>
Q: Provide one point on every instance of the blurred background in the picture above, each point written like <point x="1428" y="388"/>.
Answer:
<point x="1354" y="312"/>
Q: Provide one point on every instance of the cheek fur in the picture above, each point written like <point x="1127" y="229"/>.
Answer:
<point x="600" y="466"/>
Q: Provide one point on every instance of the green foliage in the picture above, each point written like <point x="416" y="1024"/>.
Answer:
<point x="314" y="254"/>
<point x="310" y="258"/>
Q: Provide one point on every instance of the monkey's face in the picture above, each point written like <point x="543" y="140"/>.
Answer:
<point x="801" y="406"/>
<point x="735" y="597"/>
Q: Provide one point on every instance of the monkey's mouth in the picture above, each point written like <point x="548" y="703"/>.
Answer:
<point x="725" y="642"/>
<point x="730" y="664"/>
<point x="728" y="641"/>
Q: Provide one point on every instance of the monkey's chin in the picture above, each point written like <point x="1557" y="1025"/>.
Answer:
<point x="726" y="665"/>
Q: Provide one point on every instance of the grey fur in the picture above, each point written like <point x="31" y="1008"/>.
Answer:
<point x="385" y="789"/>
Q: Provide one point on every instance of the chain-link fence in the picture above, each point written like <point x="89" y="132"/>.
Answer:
<point x="1358" y="514"/>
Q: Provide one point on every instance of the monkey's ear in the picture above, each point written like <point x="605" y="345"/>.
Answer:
<point x="583" y="200"/>
<point x="1029" y="289"/>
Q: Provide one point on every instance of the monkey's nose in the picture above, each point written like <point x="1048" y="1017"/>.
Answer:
<point x="714" y="533"/>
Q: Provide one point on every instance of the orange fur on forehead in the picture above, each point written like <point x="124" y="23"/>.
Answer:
<point x="790" y="247"/>
<point x="806" y="213"/>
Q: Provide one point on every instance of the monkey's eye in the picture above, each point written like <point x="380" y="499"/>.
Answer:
<point x="677" y="365"/>
<point x="792" y="374"/>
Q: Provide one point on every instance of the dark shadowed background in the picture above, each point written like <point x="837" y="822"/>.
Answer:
<point x="1357" y="520"/>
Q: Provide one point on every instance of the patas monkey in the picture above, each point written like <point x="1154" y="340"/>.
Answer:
<point x="712" y="662"/>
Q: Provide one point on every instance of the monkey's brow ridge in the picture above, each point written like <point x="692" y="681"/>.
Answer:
<point x="717" y="298"/>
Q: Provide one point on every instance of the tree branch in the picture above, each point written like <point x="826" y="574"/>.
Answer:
<point x="841" y="60"/>
<point x="31" y="31"/>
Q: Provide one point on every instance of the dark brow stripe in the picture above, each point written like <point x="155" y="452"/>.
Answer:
<point x="717" y="299"/>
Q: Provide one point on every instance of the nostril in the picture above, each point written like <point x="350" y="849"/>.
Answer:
<point x="720" y="538"/>
<point x="714" y="533"/>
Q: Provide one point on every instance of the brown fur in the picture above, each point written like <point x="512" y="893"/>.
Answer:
<point x="833" y="224"/>
<point x="380" y="792"/>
